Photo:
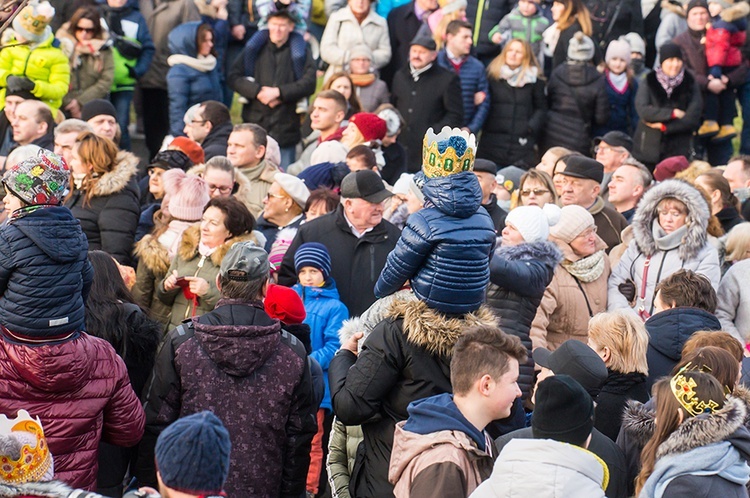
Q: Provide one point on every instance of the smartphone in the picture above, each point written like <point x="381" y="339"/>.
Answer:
<point x="182" y="282"/>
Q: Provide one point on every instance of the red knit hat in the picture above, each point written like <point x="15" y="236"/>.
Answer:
<point x="284" y="304"/>
<point x="371" y="126"/>
<point x="192" y="149"/>
<point x="669" y="167"/>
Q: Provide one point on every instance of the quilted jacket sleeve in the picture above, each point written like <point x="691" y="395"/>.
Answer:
<point x="407" y="257"/>
<point x="527" y="278"/>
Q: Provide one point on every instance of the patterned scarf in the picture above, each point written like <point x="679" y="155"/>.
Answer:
<point x="668" y="83"/>
<point x="586" y="269"/>
<point x="518" y="78"/>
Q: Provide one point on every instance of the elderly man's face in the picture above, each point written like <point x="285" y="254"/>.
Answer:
<point x="420" y="56"/>
<point x="611" y="157"/>
<point x="580" y="191"/>
<point x="363" y="214"/>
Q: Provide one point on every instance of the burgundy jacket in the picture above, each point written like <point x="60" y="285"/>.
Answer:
<point x="81" y="392"/>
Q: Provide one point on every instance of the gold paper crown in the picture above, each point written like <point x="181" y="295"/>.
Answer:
<point x="683" y="390"/>
<point x="35" y="17"/>
<point x="455" y="158"/>
<point x="34" y="461"/>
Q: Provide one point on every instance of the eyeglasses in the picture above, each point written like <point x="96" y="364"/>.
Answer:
<point x="605" y="148"/>
<point x="85" y="30"/>
<point x="277" y="196"/>
<point x="223" y="190"/>
<point x="197" y="121"/>
<point x="587" y="233"/>
<point x="536" y="191"/>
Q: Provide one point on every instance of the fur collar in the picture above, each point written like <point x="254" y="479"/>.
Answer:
<point x="114" y="181"/>
<point x="544" y="251"/>
<point x="435" y="331"/>
<point x="191" y="238"/>
<point x="373" y="315"/>
<point x="737" y="11"/>
<point x="674" y="8"/>
<point x="152" y="254"/>
<point x="697" y="221"/>
<point x="51" y="489"/>
<point x="638" y="422"/>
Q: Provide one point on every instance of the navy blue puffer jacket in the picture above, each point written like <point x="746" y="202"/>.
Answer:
<point x="444" y="248"/>
<point x="44" y="274"/>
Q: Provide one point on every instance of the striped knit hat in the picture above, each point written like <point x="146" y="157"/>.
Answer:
<point x="313" y="254"/>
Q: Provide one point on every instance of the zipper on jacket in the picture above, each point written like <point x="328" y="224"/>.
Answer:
<point x="197" y="271"/>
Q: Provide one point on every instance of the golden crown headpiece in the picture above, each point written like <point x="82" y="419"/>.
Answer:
<point x="449" y="152"/>
<point x="34" y="460"/>
<point x="683" y="389"/>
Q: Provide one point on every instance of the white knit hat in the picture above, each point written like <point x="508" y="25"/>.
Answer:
<point x="574" y="220"/>
<point x="534" y="222"/>
<point x="402" y="184"/>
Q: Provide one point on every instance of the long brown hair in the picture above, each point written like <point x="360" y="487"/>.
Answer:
<point x="354" y="105"/>
<point x="574" y="11"/>
<point x="667" y="420"/>
<point x="90" y="13"/>
<point x="529" y="60"/>
<point x="100" y="154"/>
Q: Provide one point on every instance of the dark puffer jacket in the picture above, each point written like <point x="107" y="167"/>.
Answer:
<point x="668" y="332"/>
<point x="514" y="124"/>
<point x="444" y="249"/>
<point x="110" y="218"/>
<point x="575" y="89"/>
<point x="406" y="357"/>
<point x="519" y="275"/>
<point x="237" y="362"/>
<point x="80" y="390"/>
<point x="485" y="15"/>
<point x="45" y="274"/>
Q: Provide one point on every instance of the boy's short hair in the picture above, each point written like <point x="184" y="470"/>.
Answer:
<point x="483" y="350"/>
<point x="364" y="153"/>
<point x="687" y="289"/>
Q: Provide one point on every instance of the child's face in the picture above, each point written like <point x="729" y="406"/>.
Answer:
<point x="617" y="65"/>
<point x="310" y="277"/>
<point x="11" y="203"/>
<point x="527" y="8"/>
<point x="116" y="4"/>
<point x="714" y="9"/>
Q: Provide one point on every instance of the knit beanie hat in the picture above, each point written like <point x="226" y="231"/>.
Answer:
<point x="41" y="179"/>
<point x="580" y="48"/>
<point x="533" y="222"/>
<point x="24" y="450"/>
<point x="574" y="220"/>
<point x="618" y="48"/>
<point x="32" y="22"/>
<point x="171" y="158"/>
<point x="187" y="194"/>
<point x="192" y="454"/>
<point x="371" y="126"/>
<point x="563" y="411"/>
<point x="670" y="50"/>
<point x="669" y="167"/>
<point x="636" y="43"/>
<point x="403" y="183"/>
<point x="97" y="107"/>
<point x="360" y="51"/>
<point x="313" y="254"/>
<point x="284" y="304"/>
<point x="191" y="148"/>
<point x="696" y="3"/>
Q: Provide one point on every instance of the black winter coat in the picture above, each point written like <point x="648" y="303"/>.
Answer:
<point x="403" y="25"/>
<point x="519" y="276"/>
<point x="615" y="393"/>
<point x="560" y="54"/>
<point x="404" y="358"/>
<point x="654" y="106"/>
<point x="110" y="218"/>
<point x="432" y="102"/>
<point x="629" y="19"/>
<point x="273" y="68"/>
<point x="357" y="263"/>
<point x="514" y="124"/>
<point x="575" y="89"/>
<point x="485" y="15"/>
<point x="215" y="143"/>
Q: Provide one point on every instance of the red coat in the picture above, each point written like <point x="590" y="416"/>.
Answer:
<point x="81" y="392"/>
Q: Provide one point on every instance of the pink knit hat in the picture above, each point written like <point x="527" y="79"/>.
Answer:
<point x="185" y="195"/>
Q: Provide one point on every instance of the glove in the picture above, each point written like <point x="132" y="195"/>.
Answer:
<point x="19" y="84"/>
<point x="627" y="289"/>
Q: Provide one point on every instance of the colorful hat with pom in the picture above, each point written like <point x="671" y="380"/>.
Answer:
<point x="41" y="179"/>
<point x="32" y="23"/>
<point x="449" y="152"/>
<point x="24" y="454"/>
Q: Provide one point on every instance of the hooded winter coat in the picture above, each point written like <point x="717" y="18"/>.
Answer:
<point x="444" y="248"/>
<point x="406" y="357"/>
<point x="325" y="315"/>
<point x="192" y="79"/>
<point x="519" y="276"/>
<point x="666" y="254"/>
<point x="578" y="101"/>
<point x="110" y="218"/>
<point x="733" y="310"/>
<point x="544" y="467"/>
<point x="80" y="390"/>
<point x="189" y="263"/>
<point x="705" y="456"/>
<point x="437" y="448"/>
<point x="50" y="489"/>
<point x="92" y="67"/>
<point x="668" y="332"/>
<point x="45" y="274"/>
<point x="237" y="362"/>
<point x="672" y="23"/>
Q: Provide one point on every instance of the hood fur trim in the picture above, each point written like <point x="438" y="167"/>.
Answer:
<point x="373" y="315"/>
<point x="51" y="489"/>
<point x="674" y="8"/>
<point x="638" y="422"/>
<point x="704" y="430"/>
<point x="697" y="220"/>
<point x="435" y="331"/>
<point x="544" y="251"/>
<point x="152" y="254"/>
<point x="191" y="237"/>
<point x="116" y="180"/>
<point x="737" y="11"/>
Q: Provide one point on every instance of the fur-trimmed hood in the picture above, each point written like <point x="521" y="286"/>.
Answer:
<point x="373" y="315"/>
<point x="676" y="8"/>
<point x="737" y="11"/>
<point x="116" y="180"/>
<point x="697" y="220"/>
<point x="192" y="236"/>
<point x="543" y="251"/>
<point x="51" y="489"/>
<point x="434" y="331"/>
<point x="152" y="254"/>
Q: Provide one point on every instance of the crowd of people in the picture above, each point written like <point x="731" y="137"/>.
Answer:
<point x="449" y="248"/>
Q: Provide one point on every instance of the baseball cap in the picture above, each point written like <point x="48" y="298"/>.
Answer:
<point x="364" y="184"/>
<point x="244" y="262"/>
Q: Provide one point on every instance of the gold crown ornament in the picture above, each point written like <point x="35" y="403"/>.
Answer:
<point x="34" y="460"/>
<point x="683" y="389"/>
<point x="449" y="152"/>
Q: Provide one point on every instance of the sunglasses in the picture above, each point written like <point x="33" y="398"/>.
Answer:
<point x="536" y="191"/>
<point x="85" y="30"/>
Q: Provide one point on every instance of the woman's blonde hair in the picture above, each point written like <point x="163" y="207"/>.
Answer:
<point x="626" y="337"/>
<point x="529" y="60"/>
<point x="575" y="10"/>
<point x="100" y="154"/>
<point x="738" y="243"/>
